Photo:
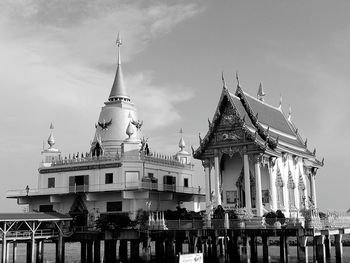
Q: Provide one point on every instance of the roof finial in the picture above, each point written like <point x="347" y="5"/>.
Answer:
<point x="261" y="93"/>
<point x="223" y="80"/>
<point x="118" y="92"/>
<point x="237" y="78"/>
<point x="119" y="43"/>
<point x="290" y="113"/>
<point x="280" y="105"/>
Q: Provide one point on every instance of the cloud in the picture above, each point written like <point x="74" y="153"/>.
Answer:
<point x="158" y="104"/>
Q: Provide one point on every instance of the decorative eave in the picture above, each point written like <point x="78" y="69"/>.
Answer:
<point x="264" y="133"/>
<point x="262" y="145"/>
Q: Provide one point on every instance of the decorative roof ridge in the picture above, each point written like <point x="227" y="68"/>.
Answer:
<point x="262" y="102"/>
<point x="295" y="130"/>
<point x="264" y="134"/>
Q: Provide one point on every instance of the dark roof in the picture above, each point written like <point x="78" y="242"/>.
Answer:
<point x="32" y="216"/>
<point x="269" y="115"/>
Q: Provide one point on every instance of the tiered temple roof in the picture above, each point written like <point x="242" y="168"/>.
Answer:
<point x="264" y="125"/>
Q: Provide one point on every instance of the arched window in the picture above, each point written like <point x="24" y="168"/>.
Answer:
<point x="291" y="187"/>
<point x="279" y="188"/>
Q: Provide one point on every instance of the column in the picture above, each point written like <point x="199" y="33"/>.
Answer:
<point x="39" y="251"/>
<point x="89" y="251"/>
<point x="97" y="251"/>
<point x="313" y="188"/>
<point x="259" y="204"/>
<point x="321" y="253"/>
<point x="273" y="201"/>
<point x="208" y="205"/>
<point x="248" y="200"/>
<point x="29" y="252"/>
<point x="33" y="244"/>
<point x="303" y="255"/>
<point x="217" y="180"/>
<point x="123" y="250"/>
<point x="4" y="245"/>
<point x="82" y="251"/>
<point x="135" y="250"/>
<point x="338" y="248"/>
<point x="265" y="248"/>
<point x="14" y="251"/>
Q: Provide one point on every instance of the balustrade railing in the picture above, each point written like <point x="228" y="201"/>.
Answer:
<point x="105" y="187"/>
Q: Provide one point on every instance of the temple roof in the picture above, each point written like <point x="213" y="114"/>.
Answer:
<point x="267" y="125"/>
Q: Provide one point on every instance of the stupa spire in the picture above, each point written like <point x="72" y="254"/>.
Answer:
<point x="118" y="91"/>
<point x="182" y="144"/>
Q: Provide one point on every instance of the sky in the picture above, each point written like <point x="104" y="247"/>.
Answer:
<point x="58" y="60"/>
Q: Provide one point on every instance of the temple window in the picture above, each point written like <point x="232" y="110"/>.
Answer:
<point x="114" y="206"/>
<point x="185" y="182"/>
<point x="109" y="178"/>
<point x="51" y="182"/>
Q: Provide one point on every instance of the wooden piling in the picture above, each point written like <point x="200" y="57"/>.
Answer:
<point x="123" y="250"/>
<point x="97" y="251"/>
<point x="339" y="248"/>
<point x="320" y="249"/>
<point x="89" y="251"/>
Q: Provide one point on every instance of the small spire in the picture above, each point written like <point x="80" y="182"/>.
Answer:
<point x="51" y="139"/>
<point x="223" y="80"/>
<point x="130" y="130"/>
<point x="118" y="91"/>
<point x="182" y="144"/>
<point x="290" y="113"/>
<point x="261" y="93"/>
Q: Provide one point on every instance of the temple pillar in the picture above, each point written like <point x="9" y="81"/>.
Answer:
<point x="273" y="201"/>
<point x="248" y="202"/>
<point x="208" y="201"/>
<point x="313" y="188"/>
<point x="259" y="204"/>
<point x="217" y="180"/>
<point x="338" y="248"/>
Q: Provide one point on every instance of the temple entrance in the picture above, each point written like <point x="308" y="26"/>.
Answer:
<point x="241" y="192"/>
<point x="78" y="211"/>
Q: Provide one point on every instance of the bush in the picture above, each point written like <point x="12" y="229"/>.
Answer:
<point x="280" y="217"/>
<point x="219" y="212"/>
<point x="271" y="218"/>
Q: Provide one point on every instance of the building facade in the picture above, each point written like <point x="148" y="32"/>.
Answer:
<point x="254" y="157"/>
<point x="119" y="172"/>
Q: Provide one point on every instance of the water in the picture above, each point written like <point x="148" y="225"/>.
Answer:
<point x="72" y="253"/>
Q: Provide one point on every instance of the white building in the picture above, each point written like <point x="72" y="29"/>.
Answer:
<point x="254" y="157"/>
<point x="117" y="174"/>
